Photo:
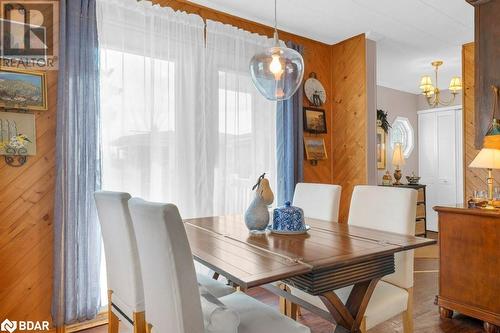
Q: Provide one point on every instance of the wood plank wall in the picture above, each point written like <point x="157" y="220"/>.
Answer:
<point x="26" y="212"/>
<point x="487" y="53"/>
<point x="349" y="118"/>
<point x="475" y="179"/>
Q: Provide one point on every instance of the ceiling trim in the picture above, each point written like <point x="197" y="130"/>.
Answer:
<point x="477" y="2"/>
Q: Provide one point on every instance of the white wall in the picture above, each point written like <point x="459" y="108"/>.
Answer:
<point x="402" y="104"/>
<point x="371" y="98"/>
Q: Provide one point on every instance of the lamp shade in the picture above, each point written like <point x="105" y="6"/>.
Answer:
<point x="426" y="84"/>
<point x="397" y="156"/>
<point x="455" y="84"/>
<point x="487" y="159"/>
<point x="277" y="72"/>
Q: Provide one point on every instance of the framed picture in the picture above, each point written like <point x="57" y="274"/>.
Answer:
<point x="17" y="133"/>
<point x="20" y="89"/>
<point x="381" y="154"/>
<point x="314" y="120"/>
<point x="315" y="148"/>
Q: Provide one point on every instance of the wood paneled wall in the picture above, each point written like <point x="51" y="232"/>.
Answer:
<point x="487" y="54"/>
<point x="349" y="118"/>
<point x="475" y="179"/>
<point x="26" y="212"/>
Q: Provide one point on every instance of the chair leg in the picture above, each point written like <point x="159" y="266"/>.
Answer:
<point x="291" y="310"/>
<point x="140" y="325"/>
<point x="408" y="314"/>
<point x="113" y="321"/>
<point x="283" y="301"/>
<point x="299" y="312"/>
<point x="362" y="327"/>
<point x="287" y="308"/>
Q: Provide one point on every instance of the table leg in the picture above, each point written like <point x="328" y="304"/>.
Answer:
<point x="350" y="315"/>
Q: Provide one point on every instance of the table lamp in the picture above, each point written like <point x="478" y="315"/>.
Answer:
<point x="487" y="159"/>
<point x="397" y="160"/>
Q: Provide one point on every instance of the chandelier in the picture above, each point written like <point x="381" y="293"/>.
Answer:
<point x="277" y="72"/>
<point x="432" y="93"/>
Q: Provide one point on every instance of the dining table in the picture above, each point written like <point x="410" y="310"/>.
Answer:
<point x="328" y="257"/>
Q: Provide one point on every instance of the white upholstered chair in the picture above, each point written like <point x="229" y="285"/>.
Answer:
<point x="125" y="293"/>
<point x="125" y="288"/>
<point x="173" y="303"/>
<point x="319" y="201"/>
<point x="388" y="209"/>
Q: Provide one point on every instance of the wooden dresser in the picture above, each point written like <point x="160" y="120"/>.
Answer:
<point x="469" y="258"/>
<point x="420" y="218"/>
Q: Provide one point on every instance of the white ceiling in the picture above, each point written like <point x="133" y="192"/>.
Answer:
<point x="409" y="33"/>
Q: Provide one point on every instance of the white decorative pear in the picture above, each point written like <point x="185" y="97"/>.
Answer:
<point x="257" y="214"/>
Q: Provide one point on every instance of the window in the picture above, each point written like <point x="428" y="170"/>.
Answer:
<point x="402" y="132"/>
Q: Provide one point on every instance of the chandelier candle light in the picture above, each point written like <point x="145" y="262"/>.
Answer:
<point x="278" y="71"/>
<point x="432" y="93"/>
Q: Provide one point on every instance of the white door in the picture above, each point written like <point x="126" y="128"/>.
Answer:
<point x="446" y="186"/>
<point x="427" y="161"/>
<point x="440" y="159"/>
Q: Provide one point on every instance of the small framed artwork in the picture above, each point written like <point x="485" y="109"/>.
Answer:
<point x="21" y="89"/>
<point x="314" y="120"/>
<point x="381" y="154"/>
<point x="17" y="133"/>
<point x="315" y="148"/>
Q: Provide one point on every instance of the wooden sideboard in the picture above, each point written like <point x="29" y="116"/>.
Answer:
<point x="421" y="216"/>
<point x="469" y="264"/>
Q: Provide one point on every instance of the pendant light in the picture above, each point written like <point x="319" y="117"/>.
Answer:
<point x="278" y="71"/>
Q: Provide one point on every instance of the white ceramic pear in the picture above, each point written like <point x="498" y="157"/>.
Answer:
<point x="257" y="214"/>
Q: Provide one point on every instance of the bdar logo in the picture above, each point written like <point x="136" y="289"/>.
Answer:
<point x="8" y="326"/>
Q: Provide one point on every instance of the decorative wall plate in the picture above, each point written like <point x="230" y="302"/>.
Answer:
<point x="314" y="91"/>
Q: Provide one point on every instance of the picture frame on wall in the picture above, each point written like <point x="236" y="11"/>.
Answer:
<point x="381" y="149"/>
<point x="315" y="148"/>
<point x="314" y="120"/>
<point x="23" y="89"/>
<point x="17" y="133"/>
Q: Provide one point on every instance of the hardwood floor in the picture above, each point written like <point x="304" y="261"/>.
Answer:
<point x="426" y="317"/>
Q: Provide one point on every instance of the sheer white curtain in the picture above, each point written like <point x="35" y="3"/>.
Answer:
<point x="152" y="101"/>
<point x="245" y="122"/>
<point x="181" y="121"/>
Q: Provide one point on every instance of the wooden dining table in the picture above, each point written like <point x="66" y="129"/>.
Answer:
<point x="328" y="257"/>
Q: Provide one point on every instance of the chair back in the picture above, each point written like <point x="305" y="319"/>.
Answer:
<point x="170" y="287"/>
<point x="387" y="209"/>
<point x="120" y="248"/>
<point x="319" y="201"/>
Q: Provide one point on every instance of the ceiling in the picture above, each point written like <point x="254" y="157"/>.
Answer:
<point x="410" y="34"/>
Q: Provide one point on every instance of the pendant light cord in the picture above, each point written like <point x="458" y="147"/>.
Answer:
<point x="275" y="23"/>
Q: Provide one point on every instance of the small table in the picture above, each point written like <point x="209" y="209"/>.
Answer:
<point x="330" y="256"/>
